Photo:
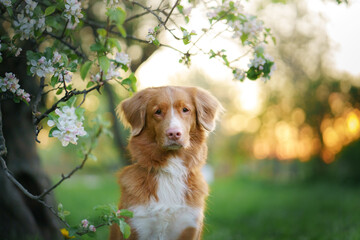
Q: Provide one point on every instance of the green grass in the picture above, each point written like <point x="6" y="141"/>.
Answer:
<point x="244" y="209"/>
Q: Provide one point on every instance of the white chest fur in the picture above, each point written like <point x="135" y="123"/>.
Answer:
<point x="166" y="218"/>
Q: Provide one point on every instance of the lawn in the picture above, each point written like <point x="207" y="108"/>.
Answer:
<point x="244" y="209"/>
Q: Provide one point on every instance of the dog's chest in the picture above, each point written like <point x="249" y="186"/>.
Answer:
<point x="168" y="215"/>
<point x="171" y="183"/>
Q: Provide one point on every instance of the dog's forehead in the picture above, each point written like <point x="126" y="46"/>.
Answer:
<point x="171" y="95"/>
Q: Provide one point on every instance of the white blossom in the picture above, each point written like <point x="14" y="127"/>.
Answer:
<point x="122" y="58"/>
<point x="26" y="23"/>
<point x="18" y="51"/>
<point x="151" y="35"/>
<point x="85" y="223"/>
<point x="11" y="83"/>
<point x="92" y="228"/>
<point x="256" y="62"/>
<point x="113" y="72"/>
<point x="6" y="3"/>
<point x="73" y="13"/>
<point x="239" y="74"/>
<point x="42" y="67"/>
<point x="187" y="11"/>
<point x="95" y="78"/>
<point x="56" y="57"/>
<point x="68" y="125"/>
<point x="64" y="75"/>
<point x="30" y="7"/>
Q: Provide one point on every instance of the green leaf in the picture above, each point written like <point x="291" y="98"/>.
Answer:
<point x="126" y="213"/>
<point x="97" y="47"/>
<point x="48" y="53"/>
<point x="54" y="80"/>
<point x="253" y="73"/>
<point x="121" y="29"/>
<point x="50" y="10"/>
<point x="131" y="82"/>
<point x="101" y="31"/>
<point x="180" y="8"/>
<point x="85" y="69"/>
<point x="187" y="19"/>
<point x="125" y="229"/>
<point x="114" y="43"/>
<point x="244" y="37"/>
<point x="117" y="16"/>
<point x="10" y="11"/>
<point x="59" y="91"/>
<point x="267" y="68"/>
<point x="71" y="101"/>
<point x="73" y="66"/>
<point x="224" y="57"/>
<point x="90" y="84"/>
<point x="156" y="42"/>
<point x="274" y="40"/>
<point x="79" y="112"/>
<point x="106" y="209"/>
<point x="104" y="63"/>
<point x="66" y="213"/>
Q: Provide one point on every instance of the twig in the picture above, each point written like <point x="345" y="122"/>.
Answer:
<point x="144" y="41"/>
<point x="135" y="16"/>
<point x="63" y="32"/>
<point x="51" y="90"/>
<point x="158" y="17"/>
<point x="88" y="231"/>
<point x="64" y="99"/>
<point x="97" y="25"/>
<point x="172" y="9"/>
<point x="80" y="54"/>
<point x="148" y="9"/>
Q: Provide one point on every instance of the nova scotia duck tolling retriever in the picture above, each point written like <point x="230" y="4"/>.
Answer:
<point x="164" y="187"/>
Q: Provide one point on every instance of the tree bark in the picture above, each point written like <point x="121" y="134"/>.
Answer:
<point x="21" y="217"/>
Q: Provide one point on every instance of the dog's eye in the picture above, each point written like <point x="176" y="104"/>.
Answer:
<point x="185" y="110"/>
<point x="158" y="112"/>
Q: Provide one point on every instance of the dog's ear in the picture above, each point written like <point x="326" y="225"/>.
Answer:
<point x="207" y="109"/>
<point x="132" y="111"/>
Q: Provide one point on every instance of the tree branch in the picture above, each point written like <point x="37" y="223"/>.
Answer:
<point x="158" y="17"/>
<point x="172" y="9"/>
<point x="64" y="99"/>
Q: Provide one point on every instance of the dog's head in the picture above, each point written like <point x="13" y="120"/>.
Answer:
<point x="169" y="115"/>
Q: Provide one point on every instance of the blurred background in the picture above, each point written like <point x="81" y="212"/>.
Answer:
<point x="285" y="157"/>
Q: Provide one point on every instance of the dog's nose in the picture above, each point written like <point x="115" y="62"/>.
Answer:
<point x="173" y="134"/>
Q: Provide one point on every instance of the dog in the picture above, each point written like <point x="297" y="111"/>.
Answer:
<point x="164" y="187"/>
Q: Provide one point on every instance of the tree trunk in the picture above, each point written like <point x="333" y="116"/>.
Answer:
<point x="21" y="217"/>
